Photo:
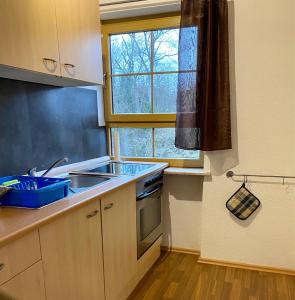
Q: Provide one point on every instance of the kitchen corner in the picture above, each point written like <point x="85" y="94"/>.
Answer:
<point x="140" y="159"/>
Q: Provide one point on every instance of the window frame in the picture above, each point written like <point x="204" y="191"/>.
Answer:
<point x="153" y="120"/>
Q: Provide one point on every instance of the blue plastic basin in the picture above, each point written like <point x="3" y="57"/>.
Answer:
<point x="34" y="192"/>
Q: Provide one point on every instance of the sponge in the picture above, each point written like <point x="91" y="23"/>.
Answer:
<point x="10" y="182"/>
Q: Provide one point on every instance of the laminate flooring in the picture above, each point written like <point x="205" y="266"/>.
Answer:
<point x="179" y="276"/>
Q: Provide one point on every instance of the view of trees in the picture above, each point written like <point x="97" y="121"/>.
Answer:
<point x="144" y="72"/>
<point x="136" y="54"/>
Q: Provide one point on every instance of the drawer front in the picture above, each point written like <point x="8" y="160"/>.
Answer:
<point x="19" y="255"/>
<point x="28" y="285"/>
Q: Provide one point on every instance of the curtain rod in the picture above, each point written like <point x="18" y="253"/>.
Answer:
<point x="231" y="174"/>
<point x="120" y="2"/>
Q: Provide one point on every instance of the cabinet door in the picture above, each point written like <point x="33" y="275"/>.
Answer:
<point x="28" y="35"/>
<point x="71" y="248"/>
<point x="119" y="240"/>
<point x="28" y="285"/>
<point x="79" y="35"/>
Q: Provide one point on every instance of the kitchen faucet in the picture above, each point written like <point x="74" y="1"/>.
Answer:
<point x="33" y="171"/>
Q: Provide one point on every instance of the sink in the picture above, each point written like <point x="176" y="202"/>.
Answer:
<point x="81" y="182"/>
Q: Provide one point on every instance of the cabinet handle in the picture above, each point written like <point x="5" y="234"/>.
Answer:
<point x="70" y="65"/>
<point x="92" y="214"/>
<point x="1" y="266"/>
<point x="49" y="59"/>
<point x="109" y="206"/>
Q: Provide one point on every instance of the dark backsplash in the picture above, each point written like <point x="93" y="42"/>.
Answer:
<point x="40" y="124"/>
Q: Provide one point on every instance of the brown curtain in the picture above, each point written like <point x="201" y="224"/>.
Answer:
<point x="203" y="101"/>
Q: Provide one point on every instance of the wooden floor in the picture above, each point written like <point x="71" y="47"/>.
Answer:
<point x="180" y="276"/>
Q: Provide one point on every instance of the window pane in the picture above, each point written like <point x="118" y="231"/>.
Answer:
<point x="164" y="145"/>
<point x="166" y="50"/>
<point x="135" y="142"/>
<point x="188" y="48"/>
<point x="130" y="52"/>
<point x="131" y="94"/>
<point x="165" y="92"/>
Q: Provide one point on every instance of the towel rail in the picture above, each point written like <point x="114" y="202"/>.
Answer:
<point x="231" y="174"/>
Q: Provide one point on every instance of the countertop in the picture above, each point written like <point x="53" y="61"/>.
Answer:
<point x="187" y="171"/>
<point x="15" y="222"/>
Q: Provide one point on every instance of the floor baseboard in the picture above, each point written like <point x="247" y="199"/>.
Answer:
<point x="180" y="250"/>
<point x="203" y="260"/>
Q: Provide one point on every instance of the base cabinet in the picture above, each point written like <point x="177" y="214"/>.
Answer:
<point x="72" y="257"/>
<point x="119" y="241"/>
<point x="28" y="285"/>
<point x="88" y="253"/>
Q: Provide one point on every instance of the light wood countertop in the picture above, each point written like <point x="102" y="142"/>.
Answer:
<point x="15" y="222"/>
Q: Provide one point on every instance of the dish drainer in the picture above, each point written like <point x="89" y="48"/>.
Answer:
<point x="34" y="192"/>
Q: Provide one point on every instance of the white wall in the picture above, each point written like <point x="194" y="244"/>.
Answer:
<point x="100" y="104"/>
<point x="182" y="211"/>
<point x="263" y="116"/>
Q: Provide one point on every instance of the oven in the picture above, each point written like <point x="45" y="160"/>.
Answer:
<point x="148" y="211"/>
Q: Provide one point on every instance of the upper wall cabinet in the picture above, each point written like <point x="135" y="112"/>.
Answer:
<point x="28" y="35"/>
<point x="79" y="39"/>
<point x="54" y="42"/>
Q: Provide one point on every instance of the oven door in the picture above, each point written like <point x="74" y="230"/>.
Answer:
<point x="148" y="218"/>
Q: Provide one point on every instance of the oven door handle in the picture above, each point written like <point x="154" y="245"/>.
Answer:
<point x="147" y="194"/>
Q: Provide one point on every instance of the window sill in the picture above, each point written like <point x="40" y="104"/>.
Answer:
<point x="187" y="171"/>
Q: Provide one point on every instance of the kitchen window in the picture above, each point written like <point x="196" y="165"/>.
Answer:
<point x="141" y="63"/>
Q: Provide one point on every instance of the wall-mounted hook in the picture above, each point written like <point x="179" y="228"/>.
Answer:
<point x="229" y="174"/>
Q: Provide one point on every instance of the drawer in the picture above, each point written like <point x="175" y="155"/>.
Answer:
<point x="19" y="255"/>
<point x="28" y="285"/>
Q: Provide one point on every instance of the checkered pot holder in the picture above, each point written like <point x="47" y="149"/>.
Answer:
<point x="242" y="203"/>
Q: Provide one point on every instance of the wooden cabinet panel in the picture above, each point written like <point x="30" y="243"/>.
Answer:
<point x="79" y="39"/>
<point x="119" y="240"/>
<point x="28" y="285"/>
<point x="28" y="35"/>
<point x="71" y="249"/>
<point x="19" y="255"/>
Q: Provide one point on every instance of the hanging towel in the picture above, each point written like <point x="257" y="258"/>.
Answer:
<point x="242" y="203"/>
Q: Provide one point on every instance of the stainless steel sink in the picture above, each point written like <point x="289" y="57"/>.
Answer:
<point x="80" y="182"/>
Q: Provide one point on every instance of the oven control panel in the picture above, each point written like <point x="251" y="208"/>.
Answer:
<point x="148" y="182"/>
<point x="153" y="180"/>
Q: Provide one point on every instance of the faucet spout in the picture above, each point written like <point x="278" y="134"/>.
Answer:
<point x="33" y="171"/>
<point x="58" y="162"/>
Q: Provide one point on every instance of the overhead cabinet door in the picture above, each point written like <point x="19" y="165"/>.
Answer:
<point x="28" y="35"/>
<point x="79" y="39"/>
